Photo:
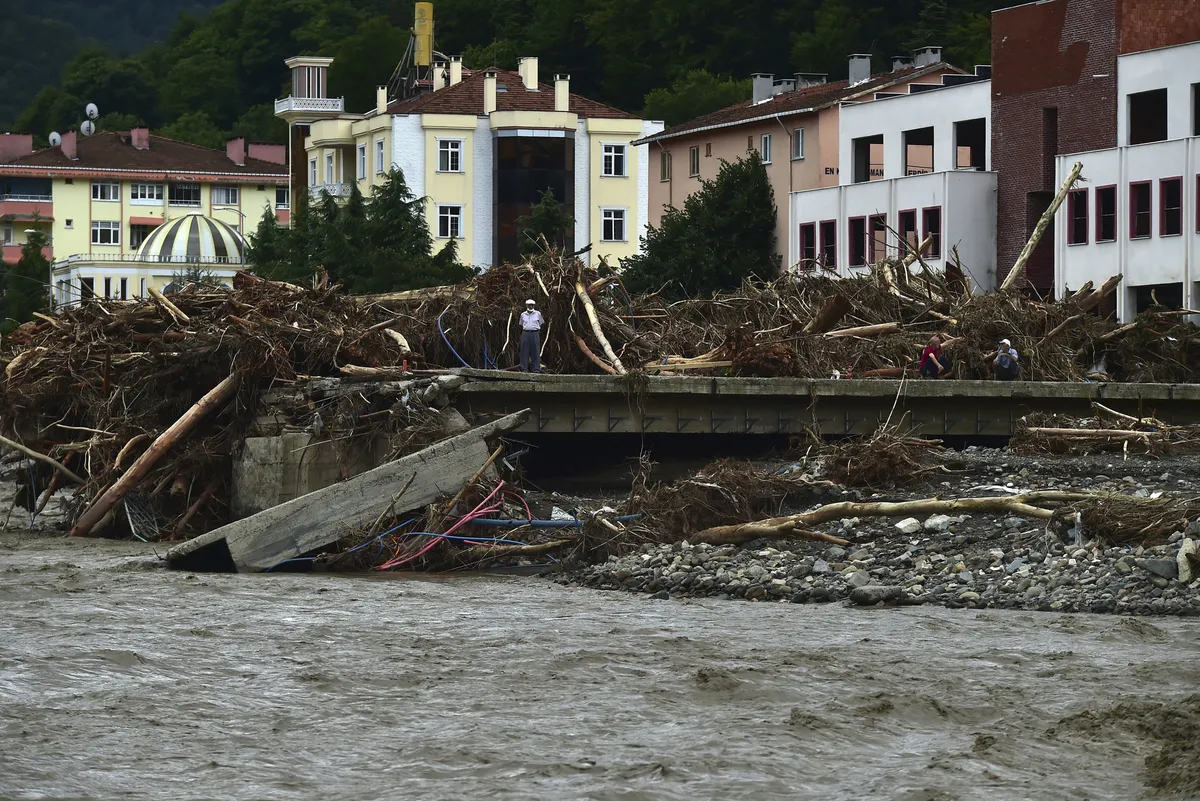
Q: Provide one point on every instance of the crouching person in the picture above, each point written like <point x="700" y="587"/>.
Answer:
<point x="1007" y="364"/>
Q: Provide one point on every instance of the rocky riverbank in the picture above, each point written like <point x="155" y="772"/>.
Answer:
<point x="969" y="561"/>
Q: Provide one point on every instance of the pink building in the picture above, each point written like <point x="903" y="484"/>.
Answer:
<point x="792" y="123"/>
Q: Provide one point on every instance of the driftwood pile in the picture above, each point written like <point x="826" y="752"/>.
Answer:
<point x="148" y="400"/>
<point x="1109" y="430"/>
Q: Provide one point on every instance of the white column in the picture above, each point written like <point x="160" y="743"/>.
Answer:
<point x="583" y="188"/>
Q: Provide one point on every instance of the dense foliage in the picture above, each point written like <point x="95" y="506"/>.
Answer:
<point x="218" y="74"/>
<point x="25" y="284"/>
<point x="547" y="221"/>
<point x="378" y="245"/>
<point x="724" y="234"/>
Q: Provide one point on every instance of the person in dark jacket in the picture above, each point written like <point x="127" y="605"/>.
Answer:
<point x="933" y="362"/>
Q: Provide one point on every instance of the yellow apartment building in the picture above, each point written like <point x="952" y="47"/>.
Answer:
<point x="99" y="199"/>
<point x="479" y="148"/>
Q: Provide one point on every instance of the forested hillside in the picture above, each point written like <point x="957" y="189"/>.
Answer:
<point x="218" y="74"/>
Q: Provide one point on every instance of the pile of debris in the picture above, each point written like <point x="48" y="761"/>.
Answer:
<point x="1109" y="430"/>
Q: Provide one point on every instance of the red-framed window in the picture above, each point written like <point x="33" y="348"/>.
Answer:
<point x="808" y="245"/>
<point x="907" y="227"/>
<point x="1198" y="184"/>
<point x="1170" y="206"/>
<point x="1106" y="213"/>
<point x="856" y="242"/>
<point x="828" y="230"/>
<point x="878" y="235"/>
<point x="1077" y="217"/>
<point x="1141" y="210"/>
<point x="931" y="224"/>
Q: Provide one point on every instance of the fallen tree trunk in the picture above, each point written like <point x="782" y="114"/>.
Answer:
<point x="596" y="360"/>
<point x="594" y="319"/>
<point x="866" y="330"/>
<point x="830" y="315"/>
<point x="171" y="309"/>
<point x="783" y="527"/>
<point x="178" y="430"/>
<point x="1091" y="433"/>
<point x="1106" y="289"/>
<point x="44" y="459"/>
<point x="1018" y="268"/>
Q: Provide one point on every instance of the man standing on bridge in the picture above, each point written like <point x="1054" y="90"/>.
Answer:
<point x="531" y="339"/>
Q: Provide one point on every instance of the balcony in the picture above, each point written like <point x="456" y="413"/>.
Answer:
<point x="11" y="254"/>
<point x="336" y="191"/>
<point x="310" y="105"/>
<point x="24" y="207"/>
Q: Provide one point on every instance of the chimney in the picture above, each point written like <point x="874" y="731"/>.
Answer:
<point x="236" y="150"/>
<point x="762" y="82"/>
<point x="860" y="68"/>
<point x="276" y="154"/>
<point x="68" y="146"/>
<point x="562" y="92"/>
<point x="13" y="146"/>
<point x="455" y="70"/>
<point x="381" y="100"/>
<point x="804" y="80"/>
<point x="140" y="138"/>
<point x="901" y="63"/>
<point x="528" y="67"/>
<point x="927" y="55"/>
<point x="489" y="91"/>
<point x="783" y="85"/>
<point x="441" y="76"/>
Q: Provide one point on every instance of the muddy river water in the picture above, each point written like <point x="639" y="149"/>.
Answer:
<point x="119" y="679"/>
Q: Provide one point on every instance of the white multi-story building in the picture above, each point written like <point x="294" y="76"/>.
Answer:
<point x="1136" y="213"/>
<point x="913" y="164"/>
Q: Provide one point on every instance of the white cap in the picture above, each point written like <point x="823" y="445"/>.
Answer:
<point x="1005" y="342"/>
<point x="529" y="302"/>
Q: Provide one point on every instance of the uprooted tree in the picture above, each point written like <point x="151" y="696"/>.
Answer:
<point x="724" y="234"/>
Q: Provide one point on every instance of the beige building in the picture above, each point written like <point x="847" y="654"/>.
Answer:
<point x="791" y="123"/>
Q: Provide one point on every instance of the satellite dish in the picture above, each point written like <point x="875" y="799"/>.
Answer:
<point x="55" y="139"/>
<point x="92" y="111"/>
<point x="87" y="127"/>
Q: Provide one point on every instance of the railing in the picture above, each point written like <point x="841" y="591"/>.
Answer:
<point x="324" y="105"/>
<point x="188" y="204"/>
<point x="28" y="198"/>
<point x="133" y="257"/>
<point x="338" y="191"/>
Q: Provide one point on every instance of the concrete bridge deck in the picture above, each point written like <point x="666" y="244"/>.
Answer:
<point x="642" y="404"/>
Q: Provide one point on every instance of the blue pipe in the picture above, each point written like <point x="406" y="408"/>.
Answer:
<point x="442" y="331"/>
<point x="542" y="523"/>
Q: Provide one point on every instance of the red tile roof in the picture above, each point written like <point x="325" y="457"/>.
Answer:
<point x="800" y="100"/>
<point x="466" y="97"/>
<point x="113" y="151"/>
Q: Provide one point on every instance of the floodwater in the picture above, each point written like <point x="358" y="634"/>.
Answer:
<point x="119" y="679"/>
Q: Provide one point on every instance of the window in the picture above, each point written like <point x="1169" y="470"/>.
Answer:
<point x="69" y="224"/>
<point x="708" y="149"/>
<point x="379" y="168"/>
<point x="857" y="246"/>
<point x="614" y="161"/>
<point x="362" y="162"/>
<point x="1139" y="210"/>
<point x="933" y="230"/>
<point x="877" y="243"/>
<point x="1197" y="204"/>
<point x="138" y="234"/>
<point x="449" y="222"/>
<point x="1106" y="213"/>
<point x="797" y="144"/>
<point x="312" y="172"/>
<point x="106" y="190"/>
<point x="450" y="155"/>
<point x="87" y="288"/>
<point x="183" y="194"/>
<point x="664" y="166"/>
<point x="829" y="244"/>
<point x="694" y="162"/>
<point x="1170" y="208"/>
<point x="225" y="195"/>
<point x="106" y="233"/>
<point x="749" y="143"/>
<point x="124" y="289"/>
<point x="1077" y="217"/>
<point x="6" y="234"/>
<point x="765" y="148"/>
<point x="908" y="231"/>
<point x="1196" y="109"/>
<point x="146" y="194"/>
<point x="328" y="168"/>
<point x="141" y="287"/>
<point x="1148" y="117"/>
<point x="808" y="245"/>
<point x="613" y="227"/>
<point x="282" y="201"/>
<point x="107" y="288"/>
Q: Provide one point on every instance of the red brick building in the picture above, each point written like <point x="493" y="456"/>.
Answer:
<point x="1054" y="90"/>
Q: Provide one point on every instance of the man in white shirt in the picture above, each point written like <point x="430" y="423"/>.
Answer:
<point x="531" y="338"/>
<point x="1007" y="364"/>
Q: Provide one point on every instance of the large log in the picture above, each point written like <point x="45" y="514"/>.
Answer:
<point x="1018" y="268"/>
<point x="217" y="396"/>
<point x="594" y="319"/>
<point x="44" y="459"/>
<point x="830" y="315"/>
<point x="319" y="518"/>
<point x="1093" y="300"/>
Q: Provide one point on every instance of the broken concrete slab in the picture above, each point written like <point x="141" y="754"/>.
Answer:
<point x="319" y="518"/>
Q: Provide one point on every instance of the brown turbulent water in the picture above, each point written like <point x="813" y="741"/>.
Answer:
<point x="121" y="680"/>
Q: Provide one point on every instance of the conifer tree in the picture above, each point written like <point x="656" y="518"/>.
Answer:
<point x="26" y="284"/>
<point x="548" y="218"/>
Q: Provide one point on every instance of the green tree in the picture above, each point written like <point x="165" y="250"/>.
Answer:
<point x="196" y="128"/>
<point x="399" y="236"/>
<point x="724" y="234"/>
<point x="259" y="124"/>
<point x="115" y="85"/>
<point x="364" y="61"/>
<point x="548" y="218"/>
<point x="267" y="249"/>
<point x="345" y="250"/>
<point x="119" y="122"/>
<point x="52" y="110"/>
<point x="26" y="284"/>
<point x="696" y="93"/>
